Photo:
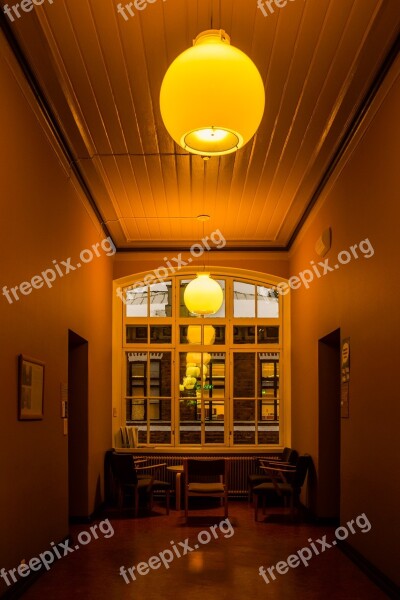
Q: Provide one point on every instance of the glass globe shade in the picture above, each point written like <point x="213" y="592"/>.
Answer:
<point x="203" y="295"/>
<point x="212" y="96"/>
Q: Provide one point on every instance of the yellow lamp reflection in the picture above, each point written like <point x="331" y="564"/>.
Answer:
<point x="196" y="562"/>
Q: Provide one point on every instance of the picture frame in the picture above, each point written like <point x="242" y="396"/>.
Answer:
<point x="30" y="388"/>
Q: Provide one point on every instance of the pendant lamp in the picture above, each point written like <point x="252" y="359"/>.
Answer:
<point x="203" y="295"/>
<point x="212" y="97"/>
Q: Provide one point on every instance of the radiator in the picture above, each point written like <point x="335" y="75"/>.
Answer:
<point x="240" y="468"/>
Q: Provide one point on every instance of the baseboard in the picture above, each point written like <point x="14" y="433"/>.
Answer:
<point x="380" y="579"/>
<point x="85" y="520"/>
<point x="22" y="585"/>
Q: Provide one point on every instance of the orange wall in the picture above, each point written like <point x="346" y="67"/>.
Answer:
<point x="362" y="299"/>
<point x="43" y="219"/>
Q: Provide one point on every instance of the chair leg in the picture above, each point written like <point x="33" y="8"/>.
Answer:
<point x="136" y="501"/>
<point x="120" y="498"/>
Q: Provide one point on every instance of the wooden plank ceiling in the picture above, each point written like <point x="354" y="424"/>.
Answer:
<point x="102" y="74"/>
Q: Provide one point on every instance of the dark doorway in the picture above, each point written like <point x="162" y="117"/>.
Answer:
<point x="328" y="503"/>
<point x="78" y="418"/>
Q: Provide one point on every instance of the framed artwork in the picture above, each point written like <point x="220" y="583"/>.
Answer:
<point x="30" y="388"/>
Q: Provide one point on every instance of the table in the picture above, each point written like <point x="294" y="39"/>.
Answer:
<point x="178" y="470"/>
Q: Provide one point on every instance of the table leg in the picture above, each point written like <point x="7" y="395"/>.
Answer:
<point x="178" y="491"/>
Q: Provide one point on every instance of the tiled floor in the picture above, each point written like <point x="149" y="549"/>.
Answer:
<point x="227" y="567"/>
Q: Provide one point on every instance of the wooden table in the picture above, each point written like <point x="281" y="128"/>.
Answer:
<point x="178" y="470"/>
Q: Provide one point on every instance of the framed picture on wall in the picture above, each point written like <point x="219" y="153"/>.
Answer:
<point x="30" y="388"/>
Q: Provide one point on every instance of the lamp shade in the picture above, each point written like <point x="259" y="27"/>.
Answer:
<point x="203" y="295"/>
<point x="212" y="97"/>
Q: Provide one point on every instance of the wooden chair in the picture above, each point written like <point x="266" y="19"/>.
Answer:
<point x="288" y="458"/>
<point x="286" y="482"/>
<point x="206" y="478"/>
<point x="129" y="477"/>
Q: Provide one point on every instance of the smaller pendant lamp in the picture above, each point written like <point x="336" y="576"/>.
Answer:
<point x="212" y="97"/>
<point x="203" y="295"/>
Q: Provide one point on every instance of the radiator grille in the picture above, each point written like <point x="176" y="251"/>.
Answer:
<point x="240" y="468"/>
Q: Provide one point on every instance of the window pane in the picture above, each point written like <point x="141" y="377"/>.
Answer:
<point x="268" y="334"/>
<point x="244" y="431"/>
<point x="165" y="360"/>
<point x="243" y="299"/>
<point x="267" y="303"/>
<point x="136" y="334"/>
<point x="160" y="425"/>
<point x="190" y="425"/>
<point x="214" y="377"/>
<point x="244" y="335"/>
<point x="219" y="334"/>
<point x="137" y="410"/>
<point x="160" y="335"/>
<point x="268" y="427"/>
<point x="136" y="302"/>
<point x="190" y="334"/>
<point x="136" y="384"/>
<point x="244" y="375"/>
<point x="161" y="299"/>
<point x="268" y="375"/>
<point x="215" y="421"/>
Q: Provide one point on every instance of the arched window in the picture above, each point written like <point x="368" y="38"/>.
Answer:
<point x="220" y="380"/>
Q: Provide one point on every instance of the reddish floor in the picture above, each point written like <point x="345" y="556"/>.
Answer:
<point x="227" y="567"/>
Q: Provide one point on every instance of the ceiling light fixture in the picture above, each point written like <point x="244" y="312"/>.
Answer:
<point x="203" y="295"/>
<point x="212" y="97"/>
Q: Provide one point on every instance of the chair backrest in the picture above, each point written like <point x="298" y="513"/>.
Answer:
<point x="206" y="470"/>
<point x="302" y="465"/>
<point x="123" y="469"/>
<point x="289" y="455"/>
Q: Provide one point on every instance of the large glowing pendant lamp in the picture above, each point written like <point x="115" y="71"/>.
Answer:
<point x="203" y="295"/>
<point x="212" y="97"/>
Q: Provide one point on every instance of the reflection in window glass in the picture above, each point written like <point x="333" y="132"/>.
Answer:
<point x="244" y="375"/>
<point x="244" y="335"/>
<point x="244" y="429"/>
<point x="160" y="425"/>
<point x="160" y="335"/>
<point x="136" y="302"/>
<point x="268" y="375"/>
<point x="268" y="334"/>
<point x="267" y="303"/>
<point x="136" y="334"/>
<point x="244" y="299"/>
<point x="161" y="299"/>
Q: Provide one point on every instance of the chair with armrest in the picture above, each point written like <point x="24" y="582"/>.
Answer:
<point x="157" y="484"/>
<point x="288" y="457"/>
<point x="285" y="481"/>
<point x="130" y="476"/>
<point x="206" y="478"/>
<point x="126" y="479"/>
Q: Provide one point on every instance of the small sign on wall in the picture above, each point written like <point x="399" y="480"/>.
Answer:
<point x="345" y="379"/>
